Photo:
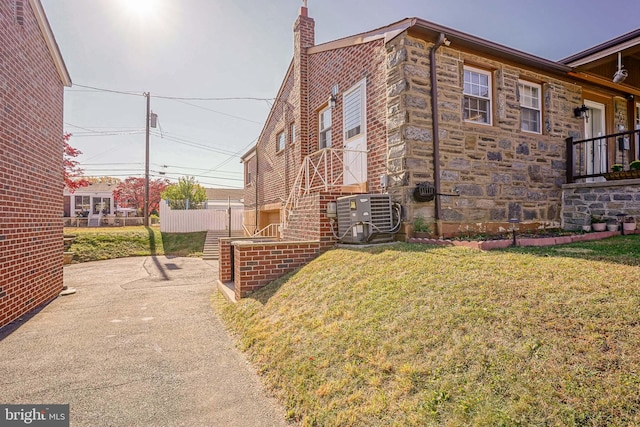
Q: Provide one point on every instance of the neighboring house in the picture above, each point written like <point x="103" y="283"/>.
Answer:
<point x="356" y="115"/>
<point x="90" y="205"/>
<point x="32" y="80"/>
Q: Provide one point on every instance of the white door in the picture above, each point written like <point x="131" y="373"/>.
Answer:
<point x="596" y="151"/>
<point x="355" y="146"/>
<point x="637" y="144"/>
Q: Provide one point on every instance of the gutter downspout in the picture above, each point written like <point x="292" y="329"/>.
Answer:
<point x="436" y="131"/>
<point x="257" y="165"/>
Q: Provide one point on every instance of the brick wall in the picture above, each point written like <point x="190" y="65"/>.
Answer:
<point x="257" y="264"/>
<point x="500" y="171"/>
<point x="346" y="67"/>
<point x="309" y="221"/>
<point x="31" y="201"/>
<point x="304" y="92"/>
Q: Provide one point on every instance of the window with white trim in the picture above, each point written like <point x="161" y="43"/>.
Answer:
<point x="353" y="111"/>
<point x="530" y="106"/>
<point x="280" y="142"/>
<point x="324" y="124"/>
<point x="477" y="96"/>
<point x="18" y="11"/>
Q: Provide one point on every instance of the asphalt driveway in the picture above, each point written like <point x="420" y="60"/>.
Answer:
<point x="137" y="345"/>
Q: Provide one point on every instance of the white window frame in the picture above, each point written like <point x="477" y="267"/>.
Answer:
<point x="292" y="133"/>
<point x="536" y="108"/>
<point x="349" y="98"/>
<point x="323" y="129"/>
<point x="471" y="96"/>
<point x="280" y="141"/>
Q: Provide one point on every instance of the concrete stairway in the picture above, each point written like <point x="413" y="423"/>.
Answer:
<point x="211" y="248"/>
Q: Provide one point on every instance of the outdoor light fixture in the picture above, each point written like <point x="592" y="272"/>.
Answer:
<point x="514" y="225"/>
<point x="621" y="74"/>
<point x="581" y="112"/>
<point x="333" y="101"/>
<point x="621" y="216"/>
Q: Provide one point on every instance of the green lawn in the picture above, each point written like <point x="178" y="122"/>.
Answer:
<point x="92" y="244"/>
<point x="428" y="336"/>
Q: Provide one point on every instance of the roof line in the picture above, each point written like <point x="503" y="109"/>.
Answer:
<point x="620" y="41"/>
<point x="518" y="55"/>
<point x="50" y="41"/>
<point x="273" y="107"/>
<point x="387" y="32"/>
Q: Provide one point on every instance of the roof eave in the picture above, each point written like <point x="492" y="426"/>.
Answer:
<point x="622" y="42"/>
<point x="464" y="40"/>
<point x="50" y="40"/>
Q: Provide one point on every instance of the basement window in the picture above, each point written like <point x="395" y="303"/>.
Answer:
<point x="477" y="96"/>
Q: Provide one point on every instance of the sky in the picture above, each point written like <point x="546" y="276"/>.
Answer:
<point x="235" y="53"/>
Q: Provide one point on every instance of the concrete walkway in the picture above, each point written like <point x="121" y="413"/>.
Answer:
<point x="137" y="345"/>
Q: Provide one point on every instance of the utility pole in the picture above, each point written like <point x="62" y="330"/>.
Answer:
<point x="146" y="162"/>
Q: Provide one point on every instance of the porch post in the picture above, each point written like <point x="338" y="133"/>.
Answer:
<point x="570" y="160"/>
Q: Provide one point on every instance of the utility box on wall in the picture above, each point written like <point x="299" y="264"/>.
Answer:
<point x="365" y="218"/>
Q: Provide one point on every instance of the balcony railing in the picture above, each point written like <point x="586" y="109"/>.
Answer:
<point x="590" y="159"/>
<point x="321" y="171"/>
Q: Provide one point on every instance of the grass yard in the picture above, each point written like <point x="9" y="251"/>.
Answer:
<point x="92" y="244"/>
<point x="428" y="336"/>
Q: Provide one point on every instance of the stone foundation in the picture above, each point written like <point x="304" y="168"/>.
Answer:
<point x="606" y="199"/>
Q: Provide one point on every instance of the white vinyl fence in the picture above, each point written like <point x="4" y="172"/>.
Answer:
<point x="215" y="217"/>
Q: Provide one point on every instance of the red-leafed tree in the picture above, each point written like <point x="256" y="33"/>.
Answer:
<point x="130" y="193"/>
<point x="72" y="173"/>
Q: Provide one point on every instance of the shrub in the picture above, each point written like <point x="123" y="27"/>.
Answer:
<point x="617" y="167"/>
<point x="635" y="165"/>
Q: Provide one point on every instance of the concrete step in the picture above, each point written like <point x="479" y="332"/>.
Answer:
<point x="211" y="248"/>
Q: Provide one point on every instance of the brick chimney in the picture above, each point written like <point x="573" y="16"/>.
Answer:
<point x="303" y="38"/>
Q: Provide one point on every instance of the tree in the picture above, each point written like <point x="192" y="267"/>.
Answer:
<point x="185" y="194"/>
<point x="130" y="193"/>
<point x="71" y="172"/>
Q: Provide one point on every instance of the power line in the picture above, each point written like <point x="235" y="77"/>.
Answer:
<point x="237" y="154"/>
<point x="191" y="168"/>
<point x="211" y="184"/>
<point x="84" y="135"/>
<point x="99" y="89"/>
<point x="198" y="176"/>
<point x="194" y="144"/>
<point x="177" y="98"/>
<point x="217" y="112"/>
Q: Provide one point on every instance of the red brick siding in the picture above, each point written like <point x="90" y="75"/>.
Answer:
<point x="309" y="221"/>
<point x="346" y="67"/>
<point x="303" y="93"/>
<point x="31" y="200"/>
<point x="276" y="170"/>
<point x="258" y="264"/>
<point x="224" y="260"/>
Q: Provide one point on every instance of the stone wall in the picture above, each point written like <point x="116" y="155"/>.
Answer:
<point x="500" y="171"/>
<point x="607" y="199"/>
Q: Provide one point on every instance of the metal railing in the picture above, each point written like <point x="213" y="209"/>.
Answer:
<point x="321" y="171"/>
<point x="591" y="158"/>
<point x="271" y="230"/>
